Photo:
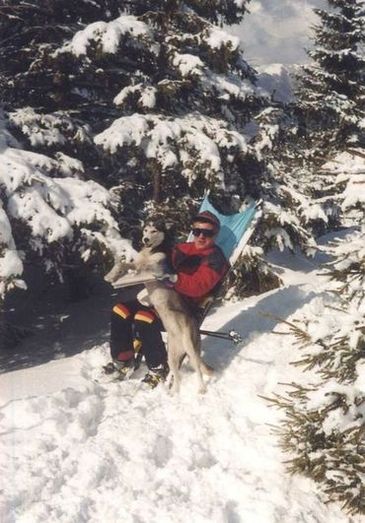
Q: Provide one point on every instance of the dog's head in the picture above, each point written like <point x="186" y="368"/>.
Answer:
<point x="153" y="235"/>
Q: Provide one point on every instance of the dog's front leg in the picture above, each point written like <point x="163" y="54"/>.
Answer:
<point x="119" y="269"/>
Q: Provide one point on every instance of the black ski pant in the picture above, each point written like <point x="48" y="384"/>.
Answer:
<point x="131" y="320"/>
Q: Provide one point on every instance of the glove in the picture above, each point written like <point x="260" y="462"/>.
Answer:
<point x="188" y="261"/>
<point x="168" y="280"/>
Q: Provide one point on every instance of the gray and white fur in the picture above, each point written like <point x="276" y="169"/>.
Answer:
<point x="182" y="329"/>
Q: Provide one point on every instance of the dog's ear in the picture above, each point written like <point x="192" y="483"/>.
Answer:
<point x="150" y="222"/>
<point x="159" y="224"/>
<point x="163" y="224"/>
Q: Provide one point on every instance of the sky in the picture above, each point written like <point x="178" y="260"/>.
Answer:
<point x="277" y="30"/>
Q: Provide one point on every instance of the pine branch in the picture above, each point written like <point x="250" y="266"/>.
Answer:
<point x="300" y="333"/>
<point x="356" y="153"/>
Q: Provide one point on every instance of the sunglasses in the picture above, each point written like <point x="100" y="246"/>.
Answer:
<point x="206" y="233"/>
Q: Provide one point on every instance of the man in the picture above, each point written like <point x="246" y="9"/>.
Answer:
<point x="200" y="266"/>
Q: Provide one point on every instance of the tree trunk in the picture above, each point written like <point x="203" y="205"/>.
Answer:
<point x="157" y="186"/>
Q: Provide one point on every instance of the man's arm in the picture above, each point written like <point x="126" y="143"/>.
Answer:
<point x="205" y="278"/>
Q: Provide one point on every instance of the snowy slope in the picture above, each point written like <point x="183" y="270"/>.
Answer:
<point x="75" y="451"/>
<point x="278" y="81"/>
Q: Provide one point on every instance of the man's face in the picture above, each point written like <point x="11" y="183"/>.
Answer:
<point x="201" y="240"/>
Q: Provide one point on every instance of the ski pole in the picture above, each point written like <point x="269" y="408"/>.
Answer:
<point x="231" y="335"/>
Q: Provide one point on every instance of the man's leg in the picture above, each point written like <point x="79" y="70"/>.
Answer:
<point x="121" y="331"/>
<point x="149" y="327"/>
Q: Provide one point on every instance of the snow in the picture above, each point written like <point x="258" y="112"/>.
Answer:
<point x="360" y="369"/>
<point x="147" y="94"/>
<point x="10" y="264"/>
<point x="217" y="38"/>
<point x="338" y="419"/>
<point x="281" y="236"/>
<point x="106" y="34"/>
<point x="148" y="97"/>
<point x="276" y="81"/>
<point x="68" y="165"/>
<point x="73" y="450"/>
<point x="195" y="140"/>
<point x="227" y="86"/>
<point x="51" y="208"/>
<point x="43" y="129"/>
<point x="124" y="131"/>
<point x="349" y="166"/>
<point x="187" y="64"/>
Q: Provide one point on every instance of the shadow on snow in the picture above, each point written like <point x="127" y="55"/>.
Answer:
<point x="66" y="331"/>
<point x="252" y="321"/>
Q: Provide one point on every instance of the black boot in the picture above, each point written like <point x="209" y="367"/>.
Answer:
<point x="156" y="375"/>
<point x="121" y="369"/>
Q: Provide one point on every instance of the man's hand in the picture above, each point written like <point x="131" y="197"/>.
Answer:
<point x="168" y="280"/>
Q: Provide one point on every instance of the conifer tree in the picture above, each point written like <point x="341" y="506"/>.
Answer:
<point x="332" y="91"/>
<point x="49" y="215"/>
<point x="182" y="127"/>
<point x="301" y="185"/>
<point x="324" y="429"/>
<point x="52" y="103"/>
<point x="53" y="214"/>
<point x="347" y="170"/>
<point x="66" y="62"/>
<point x="325" y="118"/>
<point x="150" y="99"/>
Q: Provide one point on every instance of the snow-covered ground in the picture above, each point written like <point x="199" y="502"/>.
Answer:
<point x="75" y="451"/>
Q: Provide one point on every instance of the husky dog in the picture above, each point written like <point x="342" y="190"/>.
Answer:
<point x="182" y="329"/>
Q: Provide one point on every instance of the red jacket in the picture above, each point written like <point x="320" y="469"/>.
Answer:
<point x="199" y="270"/>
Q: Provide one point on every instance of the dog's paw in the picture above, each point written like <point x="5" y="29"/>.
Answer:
<point x="119" y="269"/>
